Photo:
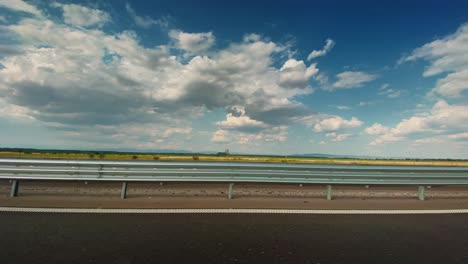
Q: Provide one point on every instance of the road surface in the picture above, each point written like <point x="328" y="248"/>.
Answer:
<point x="232" y="238"/>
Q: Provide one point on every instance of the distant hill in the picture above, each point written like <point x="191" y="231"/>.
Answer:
<point x="321" y="155"/>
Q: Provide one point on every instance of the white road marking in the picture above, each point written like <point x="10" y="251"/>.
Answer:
<point x="225" y="211"/>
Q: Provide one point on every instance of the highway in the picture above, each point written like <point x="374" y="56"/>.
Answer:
<point x="232" y="238"/>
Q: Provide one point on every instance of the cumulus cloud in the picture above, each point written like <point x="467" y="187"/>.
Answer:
<point x="295" y="74"/>
<point x="145" y="21"/>
<point x="459" y="136"/>
<point x="335" y="123"/>
<point x="449" y="56"/>
<point x="453" y="84"/>
<point x="338" y="137"/>
<point x="22" y="6"/>
<point x="79" y="15"/>
<point x="14" y="111"/>
<point x="90" y="84"/>
<point x="241" y="123"/>
<point x="376" y="129"/>
<point x="443" y="119"/>
<point x="220" y="136"/>
<point x="353" y="79"/>
<point x="329" y="44"/>
<point x="108" y="88"/>
<point x="193" y="43"/>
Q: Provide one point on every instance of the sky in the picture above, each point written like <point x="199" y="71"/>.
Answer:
<point x="368" y="78"/>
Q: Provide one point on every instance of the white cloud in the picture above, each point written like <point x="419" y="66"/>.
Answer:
<point x="352" y="79"/>
<point x="341" y="137"/>
<point x="329" y="44"/>
<point x="78" y="15"/>
<point x="273" y="135"/>
<point x="336" y="123"/>
<point x="21" y="6"/>
<point x="193" y="43"/>
<point x="343" y="107"/>
<point x="386" y="138"/>
<point x="428" y="140"/>
<point x="177" y="130"/>
<point x="337" y="137"/>
<point x="459" y="136"/>
<point x="453" y="84"/>
<point x="385" y="90"/>
<point x="365" y="103"/>
<point x="295" y="74"/>
<point x="376" y="129"/>
<point x="145" y="21"/>
<point x="443" y="119"/>
<point x="241" y="123"/>
<point x="448" y="55"/>
<point x="220" y="136"/>
<point x="14" y="111"/>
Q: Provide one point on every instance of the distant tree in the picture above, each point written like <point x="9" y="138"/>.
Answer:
<point x="196" y="158"/>
<point x="155" y="157"/>
<point x="134" y="157"/>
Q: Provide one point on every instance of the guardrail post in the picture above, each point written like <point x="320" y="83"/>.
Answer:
<point x="14" y="188"/>
<point x="100" y="170"/>
<point x="329" y="192"/>
<point x="230" y="191"/>
<point x="421" y="193"/>
<point x="123" y="194"/>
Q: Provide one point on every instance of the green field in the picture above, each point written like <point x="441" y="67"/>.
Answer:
<point x="86" y="155"/>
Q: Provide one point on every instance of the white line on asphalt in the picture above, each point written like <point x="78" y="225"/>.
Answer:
<point x="224" y="211"/>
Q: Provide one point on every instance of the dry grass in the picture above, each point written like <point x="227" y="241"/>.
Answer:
<point x="232" y="158"/>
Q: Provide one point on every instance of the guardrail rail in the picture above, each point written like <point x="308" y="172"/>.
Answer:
<point x="16" y="170"/>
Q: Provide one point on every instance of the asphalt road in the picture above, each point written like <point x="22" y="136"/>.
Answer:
<point x="232" y="238"/>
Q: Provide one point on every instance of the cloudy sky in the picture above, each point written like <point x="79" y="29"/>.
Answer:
<point x="384" y="78"/>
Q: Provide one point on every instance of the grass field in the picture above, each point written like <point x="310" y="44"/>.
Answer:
<point x="230" y="158"/>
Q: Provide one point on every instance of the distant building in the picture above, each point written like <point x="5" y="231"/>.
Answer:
<point x="225" y="153"/>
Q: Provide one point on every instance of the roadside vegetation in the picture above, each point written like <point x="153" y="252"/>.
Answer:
<point x="86" y="155"/>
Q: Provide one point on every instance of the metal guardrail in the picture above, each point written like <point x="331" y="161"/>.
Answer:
<point x="136" y="171"/>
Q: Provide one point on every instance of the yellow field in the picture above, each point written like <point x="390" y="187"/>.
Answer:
<point x="233" y="158"/>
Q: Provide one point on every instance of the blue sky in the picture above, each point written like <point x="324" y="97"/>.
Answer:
<point x="385" y="78"/>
